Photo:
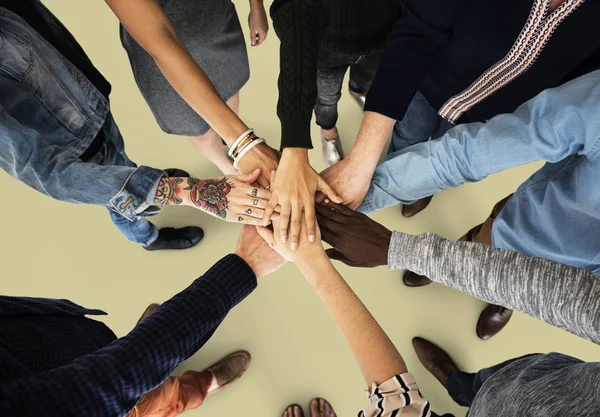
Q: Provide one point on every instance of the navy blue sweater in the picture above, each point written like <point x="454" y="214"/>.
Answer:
<point x="110" y="377"/>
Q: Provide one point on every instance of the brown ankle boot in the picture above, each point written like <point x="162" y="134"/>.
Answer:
<point x="411" y="279"/>
<point x="434" y="359"/>
<point x="409" y="210"/>
<point x="492" y="319"/>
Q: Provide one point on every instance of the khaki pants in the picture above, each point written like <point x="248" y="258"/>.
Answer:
<point x="174" y="396"/>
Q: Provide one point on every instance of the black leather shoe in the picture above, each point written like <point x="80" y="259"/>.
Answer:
<point x="171" y="238"/>
<point x="176" y="172"/>
<point x="434" y="359"/>
<point x="492" y="319"/>
<point x="411" y="279"/>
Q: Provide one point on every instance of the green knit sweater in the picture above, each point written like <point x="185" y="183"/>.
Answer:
<point x="304" y="27"/>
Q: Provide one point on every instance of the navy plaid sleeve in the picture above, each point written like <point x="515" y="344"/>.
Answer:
<point x="110" y="381"/>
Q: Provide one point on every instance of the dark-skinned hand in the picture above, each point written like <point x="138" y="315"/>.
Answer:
<point x="356" y="239"/>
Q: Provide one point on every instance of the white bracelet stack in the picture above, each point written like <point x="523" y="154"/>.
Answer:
<point x="247" y="149"/>
<point x="238" y="140"/>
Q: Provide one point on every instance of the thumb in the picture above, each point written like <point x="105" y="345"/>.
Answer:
<point x="338" y="256"/>
<point x="328" y="191"/>
<point x="267" y="235"/>
<point x="251" y="177"/>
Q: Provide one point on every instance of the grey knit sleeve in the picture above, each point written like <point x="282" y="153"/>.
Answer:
<point x="560" y="295"/>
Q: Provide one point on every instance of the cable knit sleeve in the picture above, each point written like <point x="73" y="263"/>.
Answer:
<point x="300" y="25"/>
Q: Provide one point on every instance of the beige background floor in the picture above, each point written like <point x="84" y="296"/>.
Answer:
<point x="55" y="249"/>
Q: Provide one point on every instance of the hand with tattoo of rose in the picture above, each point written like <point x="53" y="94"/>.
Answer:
<point x="232" y="198"/>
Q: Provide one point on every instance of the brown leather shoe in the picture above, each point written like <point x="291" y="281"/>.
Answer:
<point x="434" y="359"/>
<point x="411" y="279"/>
<point x="492" y="319"/>
<point x="293" y="410"/>
<point x="149" y="310"/>
<point x="409" y="210"/>
<point x="229" y="369"/>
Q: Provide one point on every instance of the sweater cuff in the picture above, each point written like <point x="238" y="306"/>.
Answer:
<point x="235" y="278"/>
<point x="405" y="252"/>
<point x="295" y="132"/>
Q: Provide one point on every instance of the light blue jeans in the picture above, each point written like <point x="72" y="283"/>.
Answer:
<point x="50" y="115"/>
<point x="420" y="123"/>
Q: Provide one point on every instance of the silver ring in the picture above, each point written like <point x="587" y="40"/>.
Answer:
<point x="268" y="187"/>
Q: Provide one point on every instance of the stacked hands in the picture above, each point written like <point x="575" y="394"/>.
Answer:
<point x="356" y="240"/>
<point x="291" y="185"/>
<point x="275" y="187"/>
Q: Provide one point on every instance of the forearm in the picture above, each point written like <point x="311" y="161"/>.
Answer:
<point x="375" y="353"/>
<point x="150" y="27"/>
<point x="535" y="286"/>
<point x="110" y="381"/>
<point x="193" y="192"/>
<point x="538" y="130"/>
<point x="374" y="132"/>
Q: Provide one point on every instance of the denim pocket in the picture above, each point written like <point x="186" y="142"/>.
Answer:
<point x="20" y="60"/>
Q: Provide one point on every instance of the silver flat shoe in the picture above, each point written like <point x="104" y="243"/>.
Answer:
<point x="332" y="151"/>
<point x="361" y="99"/>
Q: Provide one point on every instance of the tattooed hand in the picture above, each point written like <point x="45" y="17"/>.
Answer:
<point x="231" y="198"/>
<point x="165" y="193"/>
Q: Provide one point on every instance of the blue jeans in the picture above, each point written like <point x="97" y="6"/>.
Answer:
<point x="421" y="122"/>
<point x="57" y="135"/>
<point x="112" y="153"/>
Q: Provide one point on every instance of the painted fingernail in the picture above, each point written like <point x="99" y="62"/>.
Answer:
<point x="311" y="238"/>
<point x="284" y="238"/>
<point x="294" y="246"/>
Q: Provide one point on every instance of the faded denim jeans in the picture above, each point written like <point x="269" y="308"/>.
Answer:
<point x="420" y="123"/>
<point x="112" y="153"/>
<point x="50" y="114"/>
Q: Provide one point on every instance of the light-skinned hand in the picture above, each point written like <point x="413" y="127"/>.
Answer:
<point x="264" y="157"/>
<point x="349" y="180"/>
<point x="305" y="253"/>
<point x="293" y="189"/>
<point x="258" y="23"/>
<point x="257" y="253"/>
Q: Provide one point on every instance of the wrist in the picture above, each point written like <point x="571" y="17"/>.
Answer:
<point x="298" y="154"/>
<point x="249" y="261"/>
<point x="234" y="131"/>
<point x="312" y="262"/>
<point x="385" y="249"/>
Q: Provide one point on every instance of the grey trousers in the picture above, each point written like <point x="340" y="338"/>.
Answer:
<point x="332" y="69"/>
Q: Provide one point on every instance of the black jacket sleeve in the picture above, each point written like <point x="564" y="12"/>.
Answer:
<point x="411" y="48"/>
